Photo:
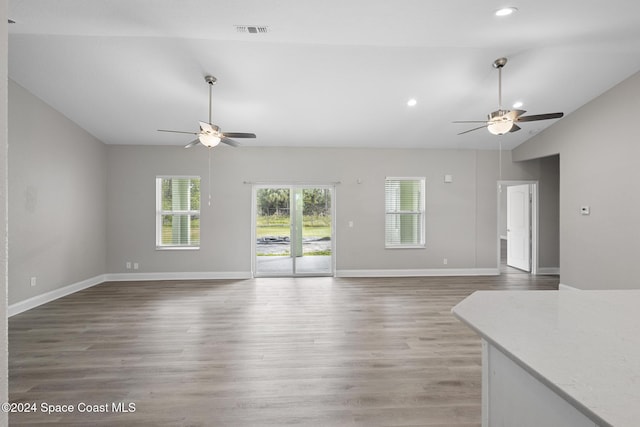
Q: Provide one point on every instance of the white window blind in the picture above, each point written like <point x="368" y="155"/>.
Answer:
<point x="177" y="212"/>
<point x="404" y="212"/>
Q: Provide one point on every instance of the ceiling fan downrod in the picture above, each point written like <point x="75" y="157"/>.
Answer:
<point x="499" y="63"/>
<point x="211" y="80"/>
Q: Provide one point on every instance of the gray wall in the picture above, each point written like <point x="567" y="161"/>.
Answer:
<point x="461" y="217"/>
<point x="599" y="151"/>
<point x="4" y="51"/>
<point x="82" y="209"/>
<point x="549" y="213"/>
<point x="57" y="188"/>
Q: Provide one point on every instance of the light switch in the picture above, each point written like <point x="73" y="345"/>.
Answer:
<point x="448" y="179"/>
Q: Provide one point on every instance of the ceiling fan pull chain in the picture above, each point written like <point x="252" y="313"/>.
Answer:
<point x="500" y="159"/>
<point x="209" y="183"/>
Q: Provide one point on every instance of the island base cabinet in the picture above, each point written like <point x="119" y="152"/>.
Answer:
<point x="512" y="397"/>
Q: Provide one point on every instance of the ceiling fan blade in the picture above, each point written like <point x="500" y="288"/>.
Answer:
<point x="229" y="141"/>
<point x="177" y="131"/>
<point x="537" y="117"/>
<point x="515" y="128"/>
<point x="192" y="143"/>
<point x="239" y="135"/>
<point x="514" y="114"/>
<point x="471" y="130"/>
<point x="470" y="121"/>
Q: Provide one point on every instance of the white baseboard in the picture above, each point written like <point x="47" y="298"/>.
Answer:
<point x="33" y="302"/>
<point x="420" y="272"/>
<point x="563" y="287"/>
<point x="204" y="275"/>
<point x="38" y="300"/>
<point x="549" y="271"/>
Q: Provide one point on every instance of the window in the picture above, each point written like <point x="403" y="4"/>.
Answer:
<point x="177" y="212"/>
<point x="404" y="208"/>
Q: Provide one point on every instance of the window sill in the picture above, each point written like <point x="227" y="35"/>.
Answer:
<point x="177" y="248"/>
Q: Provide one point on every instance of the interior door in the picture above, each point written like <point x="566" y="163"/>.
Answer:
<point x="293" y="231"/>
<point x="519" y="227"/>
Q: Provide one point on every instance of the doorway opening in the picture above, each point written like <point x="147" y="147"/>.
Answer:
<point x="293" y="230"/>
<point x="517" y="239"/>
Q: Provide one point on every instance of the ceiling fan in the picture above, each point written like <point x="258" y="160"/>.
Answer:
<point x="502" y="121"/>
<point x="210" y="135"/>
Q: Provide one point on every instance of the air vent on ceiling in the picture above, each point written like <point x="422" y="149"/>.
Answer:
<point x="252" y="29"/>
<point x="11" y="21"/>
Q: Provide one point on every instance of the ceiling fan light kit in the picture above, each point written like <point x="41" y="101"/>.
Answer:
<point x="209" y="135"/>
<point x="500" y="127"/>
<point x="209" y="141"/>
<point x="501" y="122"/>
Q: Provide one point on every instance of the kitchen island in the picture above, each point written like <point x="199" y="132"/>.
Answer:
<point x="557" y="358"/>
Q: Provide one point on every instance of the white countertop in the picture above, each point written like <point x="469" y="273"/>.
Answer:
<point x="584" y="345"/>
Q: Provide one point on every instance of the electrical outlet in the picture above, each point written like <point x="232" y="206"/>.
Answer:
<point x="33" y="281"/>
<point x="135" y="265"/>
<point x="128" y="265"/>
<point x="445" y="261"/>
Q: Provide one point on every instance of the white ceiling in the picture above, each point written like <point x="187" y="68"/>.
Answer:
<point x="329" y="73"/>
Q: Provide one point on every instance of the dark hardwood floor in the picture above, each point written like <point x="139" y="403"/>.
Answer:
<point x="260" y="352"/>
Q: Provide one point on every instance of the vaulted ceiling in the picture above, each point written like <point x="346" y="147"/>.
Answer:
<point x="324" y="73"/>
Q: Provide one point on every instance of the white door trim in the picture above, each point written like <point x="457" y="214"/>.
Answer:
<point x="534" y="219"/>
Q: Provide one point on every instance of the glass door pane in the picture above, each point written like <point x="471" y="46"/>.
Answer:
<point x="273" y="232"/>
<point x="314" y="214"/>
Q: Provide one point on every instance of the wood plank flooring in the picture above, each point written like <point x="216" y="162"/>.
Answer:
<point x="259" y="352"/>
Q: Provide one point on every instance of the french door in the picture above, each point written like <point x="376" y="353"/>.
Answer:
<point x="293" y="230"/>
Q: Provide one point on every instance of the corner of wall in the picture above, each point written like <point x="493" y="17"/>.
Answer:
<point x="4" y="273"/>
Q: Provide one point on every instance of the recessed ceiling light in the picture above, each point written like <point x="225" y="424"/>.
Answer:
<point x="412" y="102"/>
<point x="518" y="104"/>
<point x="506" y="11"/>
